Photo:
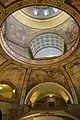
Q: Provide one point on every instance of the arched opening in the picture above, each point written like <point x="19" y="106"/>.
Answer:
<point x="7" y="91"/>
<point x="48" y="94"/>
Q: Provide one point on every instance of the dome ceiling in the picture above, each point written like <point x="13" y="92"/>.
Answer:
<point x="23" y="42"/>
<point x="63" y="70"/>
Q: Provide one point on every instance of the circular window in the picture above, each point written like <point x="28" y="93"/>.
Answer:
<point x="49" y="32"/>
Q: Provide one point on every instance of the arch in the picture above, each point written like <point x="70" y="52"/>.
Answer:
<point x="47" y="88"/>
<point x="49" y="115"/>
<point x="8" y="91"/>
<point x="8" y="83"/>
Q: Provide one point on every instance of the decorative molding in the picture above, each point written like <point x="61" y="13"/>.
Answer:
<point x="24" y="86"/>
<point x="70" y="83"/>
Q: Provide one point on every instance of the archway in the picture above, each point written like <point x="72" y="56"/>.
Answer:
<point x="48" y="89"/>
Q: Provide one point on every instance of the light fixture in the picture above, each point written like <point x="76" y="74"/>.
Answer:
<point x="50" y="95"/>
<point x="1" y="87"/>
<point x="14" y="91"/>
<point x="46" y="12"/>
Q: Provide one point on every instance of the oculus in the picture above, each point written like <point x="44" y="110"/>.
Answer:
<point x="39" y="33"/>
